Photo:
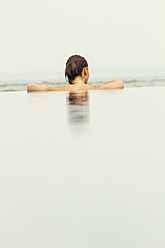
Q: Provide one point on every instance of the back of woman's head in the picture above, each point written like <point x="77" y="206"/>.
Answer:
<point x="74" y="67"/>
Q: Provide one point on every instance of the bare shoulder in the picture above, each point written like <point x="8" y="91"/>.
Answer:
<point x="114" y="84"/>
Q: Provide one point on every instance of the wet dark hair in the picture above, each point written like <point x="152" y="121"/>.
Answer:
<point x="74" y="67"/>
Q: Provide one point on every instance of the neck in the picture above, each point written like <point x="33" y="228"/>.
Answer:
<point x="78" y="81"/>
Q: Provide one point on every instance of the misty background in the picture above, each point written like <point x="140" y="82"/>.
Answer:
<point x="121" y="39"/>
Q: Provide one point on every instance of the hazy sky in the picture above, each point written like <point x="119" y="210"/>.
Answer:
<point x="42" y="34"/>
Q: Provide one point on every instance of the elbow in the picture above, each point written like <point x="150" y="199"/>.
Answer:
<point x="121" y="84"/>
<point x="29" y="87"/>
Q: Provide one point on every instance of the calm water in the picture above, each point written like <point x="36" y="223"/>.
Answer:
<point x="83" y="170"/>
<point x="20" y="85"/>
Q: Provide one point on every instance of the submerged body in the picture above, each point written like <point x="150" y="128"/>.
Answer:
<point x="77" y="75"/>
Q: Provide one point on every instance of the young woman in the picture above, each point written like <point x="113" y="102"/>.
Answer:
<point x="77" y="75"/>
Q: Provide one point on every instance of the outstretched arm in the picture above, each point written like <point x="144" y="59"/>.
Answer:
<point x="114" y="84"/>
<point x="43" y="87"/>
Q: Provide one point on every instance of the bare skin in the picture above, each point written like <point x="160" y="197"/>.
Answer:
<point x="79" y="84"/>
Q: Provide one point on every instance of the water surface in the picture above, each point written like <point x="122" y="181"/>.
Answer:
<point x="83" y="170"/>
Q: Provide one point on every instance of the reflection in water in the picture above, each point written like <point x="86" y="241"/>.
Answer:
<point x="78" y="107"/>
